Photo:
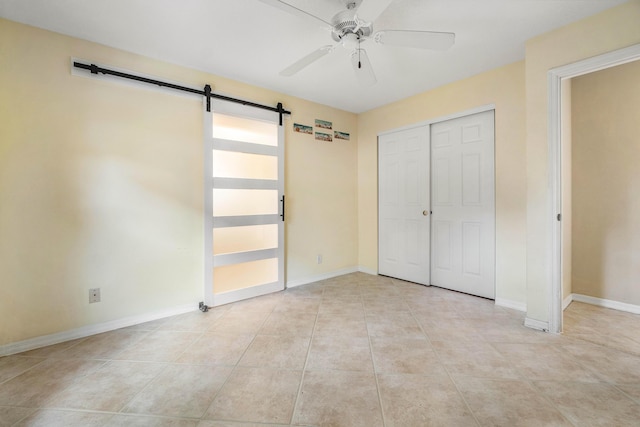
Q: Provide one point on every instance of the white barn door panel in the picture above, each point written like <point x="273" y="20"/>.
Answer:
<point x="244" y="203"/>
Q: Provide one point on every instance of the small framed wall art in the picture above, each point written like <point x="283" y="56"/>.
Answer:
<point x="297" y="127"/>
<point x="324" y="124"/>
<point x="321" y="136"/>
<point x="341" y="135"/>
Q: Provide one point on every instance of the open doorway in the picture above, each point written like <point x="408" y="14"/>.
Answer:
<point x="601" y="204"/>
<point x="592" y="239"/>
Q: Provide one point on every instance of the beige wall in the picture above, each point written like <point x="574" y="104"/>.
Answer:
<point x="100" y="183"/>
<point x="101" y="186"/>
<point x="567" y="218"/>
<point x="610" y="30"/>
<point x="503" y="87"/>
<point x="322" y="200"/>
<point x="606" y="238"/>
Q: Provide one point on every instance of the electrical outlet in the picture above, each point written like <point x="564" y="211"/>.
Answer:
<point x="94" y="295"/>
<point x="319" y="259"/>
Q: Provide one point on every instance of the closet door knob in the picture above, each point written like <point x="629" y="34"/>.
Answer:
<point x="425" y="213"/>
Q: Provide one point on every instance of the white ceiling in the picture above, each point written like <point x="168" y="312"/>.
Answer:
<point x="250" y="41"/>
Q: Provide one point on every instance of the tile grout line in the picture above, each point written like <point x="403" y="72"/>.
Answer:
<point x="604" y="346"/>
<point x="550" y="401"/>
<point x="112" y="413"/>
<point x="112" y="360"/>
<point x="634" y="400"/>
<point x="22" y="372"/>
<point x="306" y="361"/>
<point x="25" y="417"/>
<point x="444" y="366"/>
<point x="233" y="369"/>
<point x="74" y="380"/>
<point x="202" y="333"/>
<point x="601" y="379"/>
<point x="174" y="363"/>
<point x="170" y="363"/>
<point x="526" y="379"/>
<point x="126" y="404"/>
<point x="375" y="372"/>
<point x="78" y="410"/>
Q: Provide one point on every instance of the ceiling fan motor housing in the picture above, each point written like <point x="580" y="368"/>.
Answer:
<point x="345" y="22"/>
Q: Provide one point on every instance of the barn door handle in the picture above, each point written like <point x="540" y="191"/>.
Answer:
<point x="282" y="214"/>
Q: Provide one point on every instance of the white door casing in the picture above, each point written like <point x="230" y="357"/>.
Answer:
<point x="463" y="204"/>
<point x="403" y="191"/>
<point x="555" y="77"/>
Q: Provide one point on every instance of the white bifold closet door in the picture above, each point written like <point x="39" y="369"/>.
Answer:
<point x="463" y="204"/>
<point x="403" y="197"/>
<point x="436" y="209"/>
<point x="244" y="203"/>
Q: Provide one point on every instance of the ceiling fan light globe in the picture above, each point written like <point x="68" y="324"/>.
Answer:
<point x="350" y="41"/>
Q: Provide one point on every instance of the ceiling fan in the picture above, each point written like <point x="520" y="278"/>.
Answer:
<point x="350" y="30"/>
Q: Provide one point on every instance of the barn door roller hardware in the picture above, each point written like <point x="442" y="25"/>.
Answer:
<point x="206" y="92"/>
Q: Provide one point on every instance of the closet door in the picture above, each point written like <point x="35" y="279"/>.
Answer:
<point x="462" y="200"/>
<point x="244" y="205"/>
<point x="403" y="205"/>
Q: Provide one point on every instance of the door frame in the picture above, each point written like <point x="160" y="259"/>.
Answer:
<point x="249" y="112"/>
<point x="555" y="76"/>
<point x="427" y="123"/>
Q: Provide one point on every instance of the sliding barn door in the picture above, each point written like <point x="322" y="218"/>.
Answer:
<point x="462" y="200"/>
<point x="244" y="204"/>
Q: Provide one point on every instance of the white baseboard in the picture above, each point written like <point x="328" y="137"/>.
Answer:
<point x="85" y="331"/>
<point x="514" y="305"/>
<point x="565" y="302"/>
<point x="607" y="303"/>
<point x="323" y="276"/>
<point x="366" y="270"/>
<point x="536" y="324"/>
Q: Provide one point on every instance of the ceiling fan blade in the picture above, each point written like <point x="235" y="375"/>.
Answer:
<point x="416" y="39"/>
<point x="372" y="9"/>
<point x="306" y="60"/>
<point x="363" y="68"/>
<point x="296" y="12"/>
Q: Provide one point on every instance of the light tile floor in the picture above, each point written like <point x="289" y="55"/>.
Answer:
<point x="357" y="350"/>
